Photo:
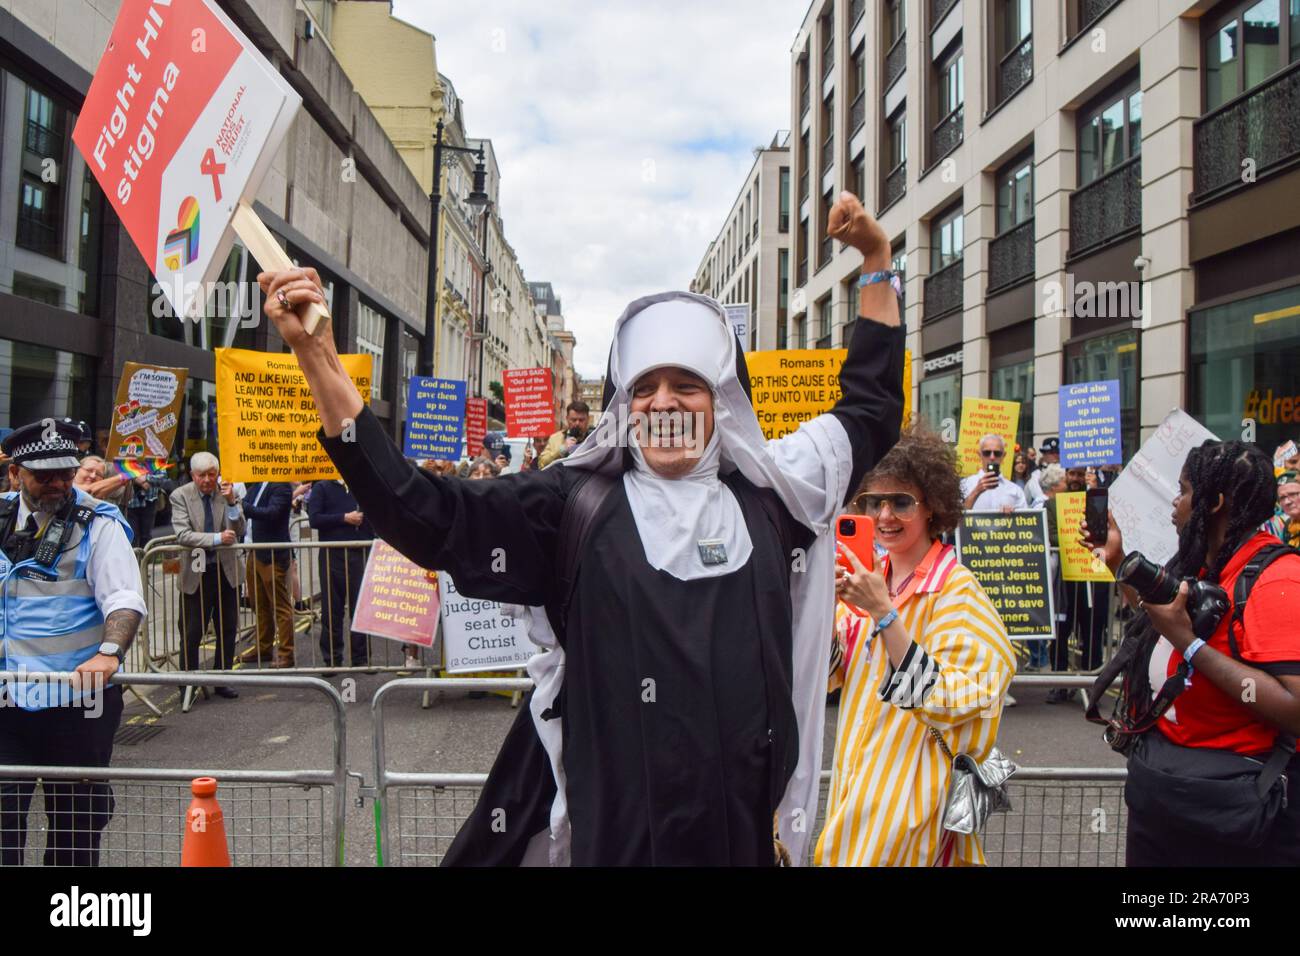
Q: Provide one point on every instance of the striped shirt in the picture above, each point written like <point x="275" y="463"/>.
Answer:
<point x="890" y="779"/>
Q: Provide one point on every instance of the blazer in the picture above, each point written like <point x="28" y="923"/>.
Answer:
<point x="187" y="523"/>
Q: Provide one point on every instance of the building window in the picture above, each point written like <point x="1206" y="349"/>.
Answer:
<point x="1015" y="193"/>
<point x="783" y="286"/>
<point x="1110" y="133"/>
<point x="949" y="99"/>
<point x="825" y="322"/>
<point x="895" y="158"/>
<point x="899" y="264"/>
<point x="38" y="382"/>
<point x="858" y="178"/>
<point x="372" y="329"/>
<point x="1246" y="45"/>
<point x="940" y="398"/>
<point x="828" y="128"/>
<point x="784" y="223"/>
<point x="40" y="199"/>
<point x="1104" y="358"/>
<point x="1245" y="364"/>
<point x="857" y="90"/>
<point x="227" y="320"/>
<point x="1013" y="59"/>
<point x="1015" y="383"/>
<point x="824" y="219"/>
<point x="946" y="239"/>
<point x="801" y="332"/>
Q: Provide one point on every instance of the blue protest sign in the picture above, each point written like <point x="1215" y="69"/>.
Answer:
<point x="435" y="418"/>
<point x="1090" y="424"/>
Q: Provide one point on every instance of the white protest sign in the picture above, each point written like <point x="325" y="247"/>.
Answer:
<point x="738" y="316"/>
<point x="179" y="126"/>
<point x="477" y="636"/>
<point x="1142" y="497"/>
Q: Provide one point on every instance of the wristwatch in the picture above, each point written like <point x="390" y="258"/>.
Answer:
<point x="113" y="650"/>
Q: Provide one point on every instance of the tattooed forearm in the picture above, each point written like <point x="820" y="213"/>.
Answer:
<point x="120" y="627"/>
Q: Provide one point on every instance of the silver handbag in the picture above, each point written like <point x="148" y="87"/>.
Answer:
<point x="976" y="789"/>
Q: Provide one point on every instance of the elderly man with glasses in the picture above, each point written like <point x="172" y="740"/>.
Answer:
<point x="987" y="489"/>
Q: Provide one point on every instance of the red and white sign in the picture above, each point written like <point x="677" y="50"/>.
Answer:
<point x="398" y="598"/>
<point x="475" y="425"/>
<point x="180" y="123"/>
<point x="529" y="409"/>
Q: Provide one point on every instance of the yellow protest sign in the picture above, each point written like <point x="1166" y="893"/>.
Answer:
<point x="266" y="419"/>
<point x="986" y="416"/>
<point x="790" y="386"/>
<point x="907" y="386"/>
<point x="1077" y="562"/>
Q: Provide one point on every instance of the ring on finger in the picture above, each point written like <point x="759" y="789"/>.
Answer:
<point x="283" y="300"/>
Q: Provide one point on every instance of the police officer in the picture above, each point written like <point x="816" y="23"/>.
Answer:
<point x="72" y="602"/>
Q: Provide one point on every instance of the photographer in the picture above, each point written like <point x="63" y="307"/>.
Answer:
<point x="576" y="419"/>
<point x="1211" y="695"/>
<point x="987" y="490"/>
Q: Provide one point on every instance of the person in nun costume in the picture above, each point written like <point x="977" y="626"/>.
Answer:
<point x="678" y="712"/>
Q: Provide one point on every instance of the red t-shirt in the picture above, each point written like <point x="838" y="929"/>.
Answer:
<point x="1268" y="638"/>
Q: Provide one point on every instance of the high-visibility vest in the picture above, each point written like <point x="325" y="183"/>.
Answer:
<point x="49" y="620"/>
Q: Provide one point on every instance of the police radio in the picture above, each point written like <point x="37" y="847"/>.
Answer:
<point x="56" y="532"/>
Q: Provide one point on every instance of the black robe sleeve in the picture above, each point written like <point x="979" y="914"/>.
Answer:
<point x="496" y="538"/>
<point x="871" y="395"/>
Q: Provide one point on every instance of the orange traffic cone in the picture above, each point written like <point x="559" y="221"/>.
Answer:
<point x="204" y="843"/>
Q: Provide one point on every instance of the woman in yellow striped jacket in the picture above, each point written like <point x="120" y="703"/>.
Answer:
<point x="940" y="665"/>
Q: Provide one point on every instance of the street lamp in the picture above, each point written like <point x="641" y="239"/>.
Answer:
<point x="444" y="154"/>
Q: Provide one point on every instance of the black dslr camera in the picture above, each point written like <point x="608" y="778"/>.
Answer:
<point x="1207" y="603"/>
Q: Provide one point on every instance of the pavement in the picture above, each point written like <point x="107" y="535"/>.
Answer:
<point x="291" y="729"/>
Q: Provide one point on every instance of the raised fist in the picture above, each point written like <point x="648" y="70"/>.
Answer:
<point x="854" y="226"/>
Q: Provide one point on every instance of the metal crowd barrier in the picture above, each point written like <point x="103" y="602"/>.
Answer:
<point x="271" y="817"/>
<point x="1061" y="816"/>
<point x="291" y="605"/>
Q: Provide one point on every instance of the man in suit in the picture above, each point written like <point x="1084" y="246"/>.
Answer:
<point x="207" y="519"/>
<point x="267" y="505"/>
<point x="333" y="512"/>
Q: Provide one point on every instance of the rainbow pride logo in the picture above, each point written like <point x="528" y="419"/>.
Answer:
<point x="181" y="247"/>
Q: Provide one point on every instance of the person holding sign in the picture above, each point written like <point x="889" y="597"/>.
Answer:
<point x="678" y="718"/>
<point x="987" y="489"/>
<point x="930" y="672"/>
<point x="1210" y="704"/>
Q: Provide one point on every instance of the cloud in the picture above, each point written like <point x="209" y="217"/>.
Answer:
<point x="623" y="131"/>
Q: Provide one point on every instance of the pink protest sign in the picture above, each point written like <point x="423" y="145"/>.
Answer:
<point x="398" y="600"/>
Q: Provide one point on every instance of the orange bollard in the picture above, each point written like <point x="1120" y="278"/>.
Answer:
<point x="204" y="843"/>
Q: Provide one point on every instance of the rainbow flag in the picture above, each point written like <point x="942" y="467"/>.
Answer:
<point x="139" y="467"/>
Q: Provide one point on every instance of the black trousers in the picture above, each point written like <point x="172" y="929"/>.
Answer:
<point x="214" y="596"/>
<point x="1155" y="841"/>
<point x="77" y="813"/>
<point x="1089" y="622"/>
<point x="341" y="570"/>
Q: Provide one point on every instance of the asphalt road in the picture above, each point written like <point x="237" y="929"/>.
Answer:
<point x="291" y="729"/>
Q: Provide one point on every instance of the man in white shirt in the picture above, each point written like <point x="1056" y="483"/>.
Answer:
<point x="1049" y="454"/>
<point x="987" y="490"/>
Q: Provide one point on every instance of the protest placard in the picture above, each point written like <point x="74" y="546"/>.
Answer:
<point x="1142" y="497"/>
<point x="475" y="426"/>
<point x="1283" y="453"/>
<point x="790" y="386"/>
<point x="435" y="418"/>
<point x="266" y="419"/>
<point x="986" y="416"/>
<point x="738" y="316"/>
<point x="1077" y="562"/>
<point x="530" y="408"/>
<point x="398" y="599"/>
<point x="476" y="636"/>
<point x="1090" y="424"/>
<point x="1007" y="553"/>
<point x="146" y="413"/>
<point x="179" y="126"/>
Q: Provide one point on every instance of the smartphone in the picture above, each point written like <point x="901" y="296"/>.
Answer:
<point x="1096" y="504"/>
<point x="993" y="468"/>
<point x="858" y="534"/>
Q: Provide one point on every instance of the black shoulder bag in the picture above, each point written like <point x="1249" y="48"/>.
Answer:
<point x="1220" y="794"/>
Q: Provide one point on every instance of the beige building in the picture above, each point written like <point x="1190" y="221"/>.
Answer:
<point x="749" y="261"/>
<point x="1078" y="190"/>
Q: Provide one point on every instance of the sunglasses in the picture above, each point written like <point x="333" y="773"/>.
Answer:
<point x="47" y="477"/>
<point x="901" y="505"/>
<point x="992" y="453"/>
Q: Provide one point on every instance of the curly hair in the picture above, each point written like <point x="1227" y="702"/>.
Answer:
<point x="924" y="460"/>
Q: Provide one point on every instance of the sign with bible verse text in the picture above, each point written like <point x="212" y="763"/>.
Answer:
<point x="182" y="120"/>
<point x="147" y="411"/>
<point x="791" y="386"/>
<point x="398" y="599"/>
<point x="1077" y="562"/>
<point x="477" y="636"/>
<point x="1007" y="553"/>
<point x="435" y="418"/>
<point x="1090" y="425"/>
<point x="530" y="402"/>
<point x="266" y="418"/>
<point x="986" y="416"/>
<point x="475" y="426"/>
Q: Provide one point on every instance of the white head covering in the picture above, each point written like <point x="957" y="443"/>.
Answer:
<point x="809" y="472"/>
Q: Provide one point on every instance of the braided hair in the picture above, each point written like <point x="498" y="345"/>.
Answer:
<point x="1243" y="474"/>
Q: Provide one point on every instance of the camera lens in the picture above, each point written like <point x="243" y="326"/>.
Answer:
<point x="1152" y="582"/>
<point x="848" y="527"/>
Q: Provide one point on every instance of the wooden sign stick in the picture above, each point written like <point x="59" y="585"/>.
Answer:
<point x="272" y="257"/>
